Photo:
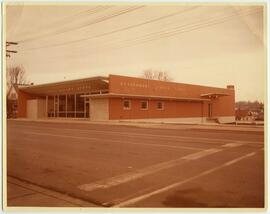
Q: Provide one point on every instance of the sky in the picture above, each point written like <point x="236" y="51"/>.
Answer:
<point x="197" y="44"/>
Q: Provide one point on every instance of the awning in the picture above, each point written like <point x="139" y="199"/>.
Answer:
<point x="214" y="95"/>
<point x="148" y="97"/>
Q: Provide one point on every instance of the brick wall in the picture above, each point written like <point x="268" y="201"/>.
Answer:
<point x="22" y="103"/>
<point x="222" y="106"/>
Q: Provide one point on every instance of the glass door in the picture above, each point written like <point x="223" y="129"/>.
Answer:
<point x="209" y="110"/>
<point x="87" y="110"/>
<point x="56" y="108"/>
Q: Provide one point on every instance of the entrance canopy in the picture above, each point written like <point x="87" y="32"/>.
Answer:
<point x="213" y="95"/>
<point x="123" y="96"/>
<point x="94" y="85"/>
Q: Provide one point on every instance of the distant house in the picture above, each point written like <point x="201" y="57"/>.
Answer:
<point x="260" y="116"/>
<point x="12" y="98"/>
<point x="244" y="114"/>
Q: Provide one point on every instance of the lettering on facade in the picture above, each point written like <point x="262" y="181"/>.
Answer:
<point x="156" y="88"/>
<point x="70" y="89"/>
<point x="132" y="84"/>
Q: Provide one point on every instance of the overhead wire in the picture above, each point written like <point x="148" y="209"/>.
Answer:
<point x="172" y="32"/>
<point x="113" y="31"/>
<point x="65" y="21"/>
<point x="168" y="32"/>
<point x="79" y="15"/>
<point x="95" y="21"/>
<point x="192" y="28"/>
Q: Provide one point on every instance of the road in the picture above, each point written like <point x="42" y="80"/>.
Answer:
<point x="128" y="166"/>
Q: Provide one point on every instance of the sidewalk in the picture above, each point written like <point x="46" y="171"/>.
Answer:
<point x="20" y="193"/>
<point x="157" y="124"/>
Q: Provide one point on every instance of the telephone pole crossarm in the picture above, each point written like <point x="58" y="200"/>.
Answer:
<point x="10" y="51"/>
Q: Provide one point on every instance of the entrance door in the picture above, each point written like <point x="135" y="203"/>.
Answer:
<point x="56" y="106"/>
<point x="87" y="110"/>
<point x="209" y="110"/>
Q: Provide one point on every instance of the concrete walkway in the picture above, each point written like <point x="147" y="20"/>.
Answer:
<point x="158" y="124"/>
<point x="20" y="193"/>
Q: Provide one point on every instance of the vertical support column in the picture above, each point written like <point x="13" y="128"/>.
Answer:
<point x="66" y="105"/>
<point x="84" y="108"/>
<point x="57" y="105"/>
<point x="46" y="111"/>
<point x="53" y="105"/>
<point x="202" y="104"/>
<point x="75" y="107"/>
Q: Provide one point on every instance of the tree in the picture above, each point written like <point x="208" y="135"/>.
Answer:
<point x="156" y="75"/>
<point x="16" y="76"/>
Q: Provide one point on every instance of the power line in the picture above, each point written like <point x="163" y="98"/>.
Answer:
<point x="95" y="21"/>
<point x="180" y="30"/>
<point x="174" y="31"/>
<point x="65" y="21"/>
<point x="80" y="14"/>
<point x="114" y="31"/>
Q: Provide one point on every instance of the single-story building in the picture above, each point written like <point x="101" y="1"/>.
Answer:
<point x="120" y="97"/>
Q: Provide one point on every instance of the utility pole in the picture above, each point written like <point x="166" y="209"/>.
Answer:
<point x="8" y="52"/>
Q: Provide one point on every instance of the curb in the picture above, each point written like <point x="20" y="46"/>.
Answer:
<point x="50" y="193"/>
<point x="155" y="124"/>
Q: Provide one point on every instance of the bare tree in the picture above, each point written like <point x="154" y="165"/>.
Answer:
<point x="156" y="75"/>
<point x="16" y="76"/>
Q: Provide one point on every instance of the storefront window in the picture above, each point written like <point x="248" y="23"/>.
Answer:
<point x="79" y="103"/>
<point x="50" y="106"/>
<point x="62" y="105"/>
<point x="70" y="105"/>
<point x="70" y="102"/>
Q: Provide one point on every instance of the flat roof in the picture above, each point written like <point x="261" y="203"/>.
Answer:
<point x="79" y="85"/>
<point x="144" y="97"/>
<point x="94" y="84"/>
<point x="173" y="82"/>
<point x="65" y="82"/>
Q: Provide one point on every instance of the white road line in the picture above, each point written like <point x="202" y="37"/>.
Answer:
<point x="232" y="145"/>
<point x="201" y="154"/>
<point x="124" y="178"/>
<point x="238" y="159"/>
<point x="115" y="141"/>
<point x="174" y="137"/>
<point x="114" y="181"/>
<point x="142" y="197"/>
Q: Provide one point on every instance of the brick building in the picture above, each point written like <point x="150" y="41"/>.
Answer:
<point x="120" y="97"/>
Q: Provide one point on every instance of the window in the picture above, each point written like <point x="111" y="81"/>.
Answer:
<point x="50" y="107"/>
<point x="80" y="106"/>
<point x="126" y="104"/>
<point x="79" y="103"/>
<point x="62" y="105"/>
<point x="144" y="105"/>
<point x="70" y="102"/>
<point x="160" y="105"/>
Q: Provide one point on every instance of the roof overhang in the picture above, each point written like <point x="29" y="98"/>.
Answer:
<point x="213" y="95"/>
<point x="70" y="86"/>
<point x="123" y="96"/>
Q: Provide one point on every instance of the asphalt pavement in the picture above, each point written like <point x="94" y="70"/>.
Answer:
<point x="128" y="166"/>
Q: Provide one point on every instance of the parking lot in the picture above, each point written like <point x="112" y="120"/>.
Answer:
<point x="128" y="166"/>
